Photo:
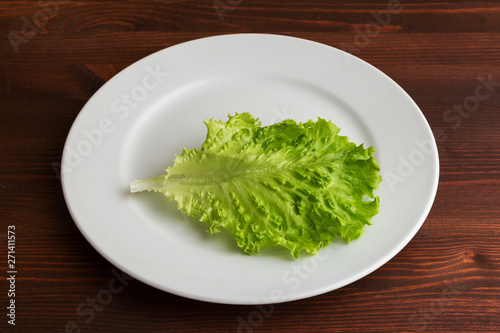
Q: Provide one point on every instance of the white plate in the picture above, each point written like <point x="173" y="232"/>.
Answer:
<point x="132" y="127"/>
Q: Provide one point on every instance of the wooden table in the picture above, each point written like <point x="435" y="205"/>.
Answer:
<point x="55" y="54"/>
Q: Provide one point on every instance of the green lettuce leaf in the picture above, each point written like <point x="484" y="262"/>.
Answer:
<point x="297" y="185"/>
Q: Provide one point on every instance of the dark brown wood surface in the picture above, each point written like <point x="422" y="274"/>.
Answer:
<point x="55" y="54"/>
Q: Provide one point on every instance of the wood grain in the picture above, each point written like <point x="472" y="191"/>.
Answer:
<point x="445" y="280"/>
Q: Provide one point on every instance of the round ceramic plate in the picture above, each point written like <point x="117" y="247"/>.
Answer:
<point x="136" y="123"/>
